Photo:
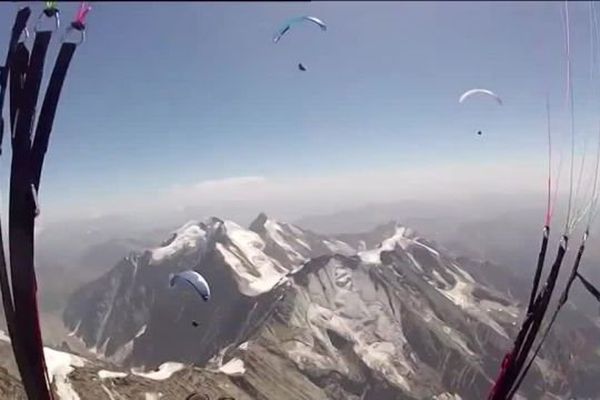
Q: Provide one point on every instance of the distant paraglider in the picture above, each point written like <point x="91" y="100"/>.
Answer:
<point x="485" y="92"/>
<point x="191" y="279"/>
<point x="294" y="21"/>
<point x="285" y="28"/>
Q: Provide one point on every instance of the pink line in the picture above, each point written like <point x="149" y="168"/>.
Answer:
<point x="81" y="15"/>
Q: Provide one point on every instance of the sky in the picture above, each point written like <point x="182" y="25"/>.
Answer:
<point x="192" y="104"/>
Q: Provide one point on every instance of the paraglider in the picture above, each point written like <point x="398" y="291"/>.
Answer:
<point x="191" y="279"/>
<point x="485" y="92"/>
<point x="291" y="22"/>
<point x="285" y="28"/>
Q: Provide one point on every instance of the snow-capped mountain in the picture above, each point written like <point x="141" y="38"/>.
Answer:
<point x="73" y="377"/>
<point x="122" y="313"/>
<point x="294" y="246"/>
<point x="297" y="315"/>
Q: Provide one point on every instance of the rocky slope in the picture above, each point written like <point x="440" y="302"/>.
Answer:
<point x="296" y="315"/>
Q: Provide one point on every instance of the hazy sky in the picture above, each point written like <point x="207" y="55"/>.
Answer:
<point x="179" y="104"/>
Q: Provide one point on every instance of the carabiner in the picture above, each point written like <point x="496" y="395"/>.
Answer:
<point x="78" y="24"/>
<point x="74" y="27"/>
<point x="34" y="197"/>
<point x="49" y="12"/>
<point x="26" y="32"/>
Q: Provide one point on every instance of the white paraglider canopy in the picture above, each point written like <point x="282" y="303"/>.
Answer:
<point x="297" y="20"/>
<point x="484" y="92"/>
<point x="193" y="280"/>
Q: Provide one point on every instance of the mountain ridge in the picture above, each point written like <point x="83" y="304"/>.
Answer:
<point x="391" y="317"/>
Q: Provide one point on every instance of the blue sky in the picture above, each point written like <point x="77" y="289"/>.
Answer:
<point x="179" y="93"/>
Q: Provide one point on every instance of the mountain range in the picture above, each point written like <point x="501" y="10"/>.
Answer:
<point x="294" y="314"/>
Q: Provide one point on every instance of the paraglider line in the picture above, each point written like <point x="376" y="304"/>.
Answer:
<point x="572" y="115"/>
<point x="549" y="200"/>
